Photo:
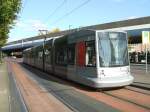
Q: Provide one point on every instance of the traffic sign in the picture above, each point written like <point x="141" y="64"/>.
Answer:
<point x="145" y="37"/>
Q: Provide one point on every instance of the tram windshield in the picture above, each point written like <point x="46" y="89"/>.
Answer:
<point x="113" y="50"/>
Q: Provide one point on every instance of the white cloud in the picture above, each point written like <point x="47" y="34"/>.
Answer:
<point x="21" y="24"/>
<point x="131" y="17"/>
<point x="37" y="24"/>
<point x="31" y="25"/>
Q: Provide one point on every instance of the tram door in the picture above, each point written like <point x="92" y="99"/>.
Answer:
<point x="85" y="59"/>
<point x="71" y="52"/>
<point x="76" y="59"/>
<point x="80" y="54"/>
<point x="80" y="59"/>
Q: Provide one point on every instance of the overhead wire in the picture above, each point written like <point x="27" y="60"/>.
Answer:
<point x="70" y="12"/>
<point x="57" y="9"/>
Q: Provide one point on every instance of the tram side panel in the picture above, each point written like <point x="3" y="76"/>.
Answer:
<point x="25" y="57"/>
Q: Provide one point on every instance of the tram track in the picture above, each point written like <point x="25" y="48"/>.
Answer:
<point x="130" y="100"/>
<point x="138" y="85"/>
<point x="116" y="102"/>
<point x="136" y="89"/>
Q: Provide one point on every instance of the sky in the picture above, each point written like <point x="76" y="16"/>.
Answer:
<point x="38" y="15"/>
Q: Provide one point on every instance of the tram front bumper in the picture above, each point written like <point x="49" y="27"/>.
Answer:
<point x="109" y="82"/>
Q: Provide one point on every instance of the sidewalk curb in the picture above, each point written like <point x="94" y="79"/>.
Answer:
<point x="139" y="64"/>
<point x="140" y="86"/>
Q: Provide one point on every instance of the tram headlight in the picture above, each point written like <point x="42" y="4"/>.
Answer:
<point x="127" y="70"/>
<point x="102" y="72"/>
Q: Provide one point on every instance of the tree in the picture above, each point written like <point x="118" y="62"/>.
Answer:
<point x="55" y="30"/>
<point x="8" y="13"/>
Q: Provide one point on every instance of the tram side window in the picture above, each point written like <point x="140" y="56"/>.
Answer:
<point x="48" y="56"/>
<point x="90" y="54"/>
<point x="40" y="54"/>
<point x="36" y="54"/>
<point x="61" y="56"/>
<point x="71" y="54"/>
<point x="32" y="54"/>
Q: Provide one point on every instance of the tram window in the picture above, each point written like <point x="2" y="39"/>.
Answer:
<point x="48" y="56"/>
<point x="61" y="56"/>
<point x="90" y="54"/>
<point x="32" y="53"/>
<point x="71" y="54"/>
<point x="40" y="54"/>
<point x="36" y="54"/>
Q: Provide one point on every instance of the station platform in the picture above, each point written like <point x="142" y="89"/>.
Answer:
<point x="10" y="97"/>
<point x="4" y="89"/>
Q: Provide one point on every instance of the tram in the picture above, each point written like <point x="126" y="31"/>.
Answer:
<point x="98" y="59"/>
